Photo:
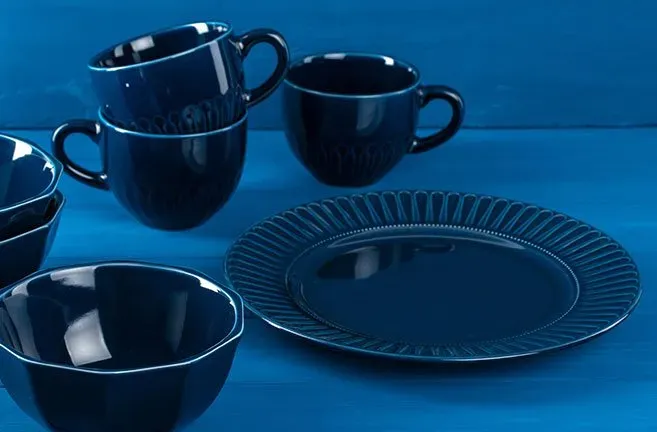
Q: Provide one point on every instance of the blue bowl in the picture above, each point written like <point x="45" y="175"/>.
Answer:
<point x="28" y="180"/>
<point x="23" y="250"/>
<point x="117" y="346"/>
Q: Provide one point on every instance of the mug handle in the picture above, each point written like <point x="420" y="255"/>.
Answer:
<point x="453" y="98"/>
<point x="90" y="129"/>
<point x="271" y="37"/>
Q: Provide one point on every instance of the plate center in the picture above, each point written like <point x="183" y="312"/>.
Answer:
<point x="431" y="286"/>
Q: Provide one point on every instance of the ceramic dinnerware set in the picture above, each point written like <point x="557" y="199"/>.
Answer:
<point x="417" y="275"/>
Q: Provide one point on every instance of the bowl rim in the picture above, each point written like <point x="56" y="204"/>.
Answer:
<point x="46" y="225"/>
<point x="57" y="169"/>
<point x="234" y="300"/>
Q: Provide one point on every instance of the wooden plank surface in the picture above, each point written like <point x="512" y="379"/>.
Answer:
<point x="605" y="177"/>
<point x="518" y="63"/>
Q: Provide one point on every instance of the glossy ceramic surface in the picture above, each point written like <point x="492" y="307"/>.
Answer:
<point x="168" y="182"/>
<point x="117" y="346"/>
<point x="350" y="118"/>
<point x="183" y="79"/>
<point x="23" y="251"/>
<point x="28" y="180"/>
<point x="433" y="276"/>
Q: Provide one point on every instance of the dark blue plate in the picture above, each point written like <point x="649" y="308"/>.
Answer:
<point x="433" y="276"/>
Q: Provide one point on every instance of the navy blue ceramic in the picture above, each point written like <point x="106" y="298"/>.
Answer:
<point x="167" y="182"/>
<point x="433" y="276"/>
<point x="117" y="346"/>
<point x="28" y="180"/>
<point x="23" y="251"/>
<point x="183" y="79"/>
<point x="350" y="118"/>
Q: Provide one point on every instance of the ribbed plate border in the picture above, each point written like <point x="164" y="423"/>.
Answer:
<point x="609" y="285"/>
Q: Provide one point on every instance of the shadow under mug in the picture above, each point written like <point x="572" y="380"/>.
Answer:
<point x="350" y="118"/>
<point x="176" y="72"/>
<point x="167" y="182"/>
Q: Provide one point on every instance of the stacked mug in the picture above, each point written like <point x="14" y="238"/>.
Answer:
<point x="172" y="122"/>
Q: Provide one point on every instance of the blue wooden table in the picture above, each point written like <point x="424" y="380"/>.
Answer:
<point x="605" y="177"/>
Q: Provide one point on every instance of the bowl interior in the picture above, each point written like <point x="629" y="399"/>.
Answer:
<point x="114" y="317"/>
<point x="24" y="174"/>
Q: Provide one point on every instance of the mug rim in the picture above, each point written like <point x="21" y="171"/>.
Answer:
<point x="338" y="55"/>
<point x="106" y="123"/>
<point x="234" y="300"/>
<point x="103" y="53"/>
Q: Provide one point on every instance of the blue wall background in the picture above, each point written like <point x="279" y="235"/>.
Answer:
<point x="518" y="63"/>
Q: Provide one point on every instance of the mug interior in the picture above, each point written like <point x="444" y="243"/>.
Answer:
<point x="352" y="74"/>
<point x="159" y="45"/>
<point x="24" y="174"/>
<point x="114" y="317"/>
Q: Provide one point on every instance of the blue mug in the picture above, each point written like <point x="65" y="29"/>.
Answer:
<point x="350" y="118"/>
<point x="167" y="182"/>
<point x="185" y="79"/>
